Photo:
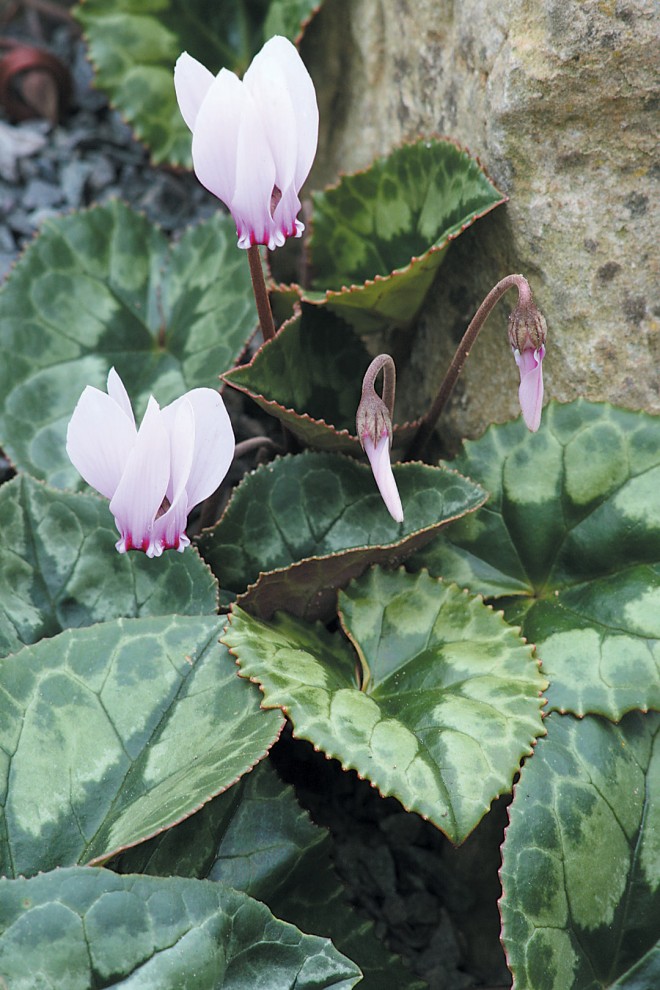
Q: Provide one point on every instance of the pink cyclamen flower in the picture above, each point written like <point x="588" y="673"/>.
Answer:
<point x="527" y="335"/>
<point x="156" y="474"/>
<point x="530" y="392"/>
<point x="373" y="424"/>
<point x="379" y="458"/>
<point x="254" y="140"/>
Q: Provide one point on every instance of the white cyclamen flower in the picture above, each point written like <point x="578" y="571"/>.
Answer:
<point x="156" y="474"/>
<point x="254" y="139"/>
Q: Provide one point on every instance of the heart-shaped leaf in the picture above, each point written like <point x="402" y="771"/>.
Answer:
<point x="117" y="731"/>
<point x="581" y="859"/>
<point x="102" y="288"/>
<point x="134" y="46"/>
<point x="302" y="526"/>
<point x="572" y="530"/>
<point x="309" y="376"/>
<point x="256" y="838"/>
<point x="59" y="568"/>
<point x="450" y="700"/>
<point x="380" y="235"/>
<point x="79" y="928"/>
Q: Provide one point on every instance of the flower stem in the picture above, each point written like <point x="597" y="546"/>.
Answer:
<point x="260" y="292"/>
<point x="385" y="363"/>
<point x="427" y="425"/>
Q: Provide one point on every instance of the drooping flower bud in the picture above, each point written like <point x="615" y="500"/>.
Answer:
<point x="527" y="336"/>
<point x="527" y="328"/>
<point x="374" y="429"/>
<point x="254" y="139"/>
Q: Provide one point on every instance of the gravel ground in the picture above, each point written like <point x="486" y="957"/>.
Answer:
<point x="89" y="158"/>
<point x="433" y="904"/>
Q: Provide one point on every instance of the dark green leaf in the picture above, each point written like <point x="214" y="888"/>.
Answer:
<point x="257" y="839"/>
<point x="102" y="288"/>
<point x="271" y="850"/>
<point x="134" y="46"/>
<point x="82" y="929"/>
<point x="450" y="700"/>
<point x="389" y="227"/>
<point x="581" y="859"/>
<point x="572" y="530"/>
<point x="115" y="732"/>
<point x="309" y="376"/>
<point x="302" y="526"/>
<point x="59" y="568"/>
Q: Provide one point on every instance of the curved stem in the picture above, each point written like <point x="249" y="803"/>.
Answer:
<point x="428" y="422"/>
<point x="254" y="443"/>
<point x="260" y="292"/>
<point x="385" y="364"/>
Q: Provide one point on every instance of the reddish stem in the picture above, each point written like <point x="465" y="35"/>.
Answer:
<point x="260" y="293"/>
<point x="385" y="363"/>
<point x="427" y="424"/>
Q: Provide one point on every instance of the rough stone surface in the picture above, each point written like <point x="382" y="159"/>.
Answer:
<point x="557" y="99"/>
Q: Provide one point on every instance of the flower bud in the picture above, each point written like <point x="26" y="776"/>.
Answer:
<point x="527" y="336"/>
<point x="373" y="419"/>
<point x="527" y="328"/>
<point x="374" y="429"/>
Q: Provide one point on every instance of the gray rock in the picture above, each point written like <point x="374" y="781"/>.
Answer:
<point x="17" y="143"/>
<point x="102" y="172"/>
<point x="39" y="194"/>
<point x="557" y="98"/>
<point x="73" y="176"/>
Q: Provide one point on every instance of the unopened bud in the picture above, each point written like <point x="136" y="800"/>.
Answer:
<point x="527" y="335"/>
<point x="373" y="419"/>
<point x="374" y="429"/>
<point x="527" y="328"/>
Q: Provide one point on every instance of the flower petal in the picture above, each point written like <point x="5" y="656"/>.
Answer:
<point x="255" y="181"/>
<point x="379" y="457"/>
<point x="192" y="82"/>
<point x="143" y="484"/>
<point x="212" y="443"/>
<point x="284" y="94"/>
<point x="215" y="136"/>
<point x="232" y="158"/>
<point x="530" y="392"/>
<point x="99" y="439"/>
<point x="117" y="391"/>
<point x="169" y="530"/>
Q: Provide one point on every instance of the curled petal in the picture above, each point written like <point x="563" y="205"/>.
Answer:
<point x="117" y="391"/>
<point x="192" y="81"/>
<point x="379" y="458"/>
<point x="143" y="485"/>
<point x="99" y="439"/>
<point x="285" y="95"/>
<point x="531" y="385"/>
<point x="169" y="530"/>
<point x="232" y="158"/>
<point x="253" y="140"/>
<point x="255" y="181"/>
<point x="155" y="475"/>
<point x="214" y="160"/>
<point x="212" y="442"/>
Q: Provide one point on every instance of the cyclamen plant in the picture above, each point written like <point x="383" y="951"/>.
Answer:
<point x="460" y="635"/>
